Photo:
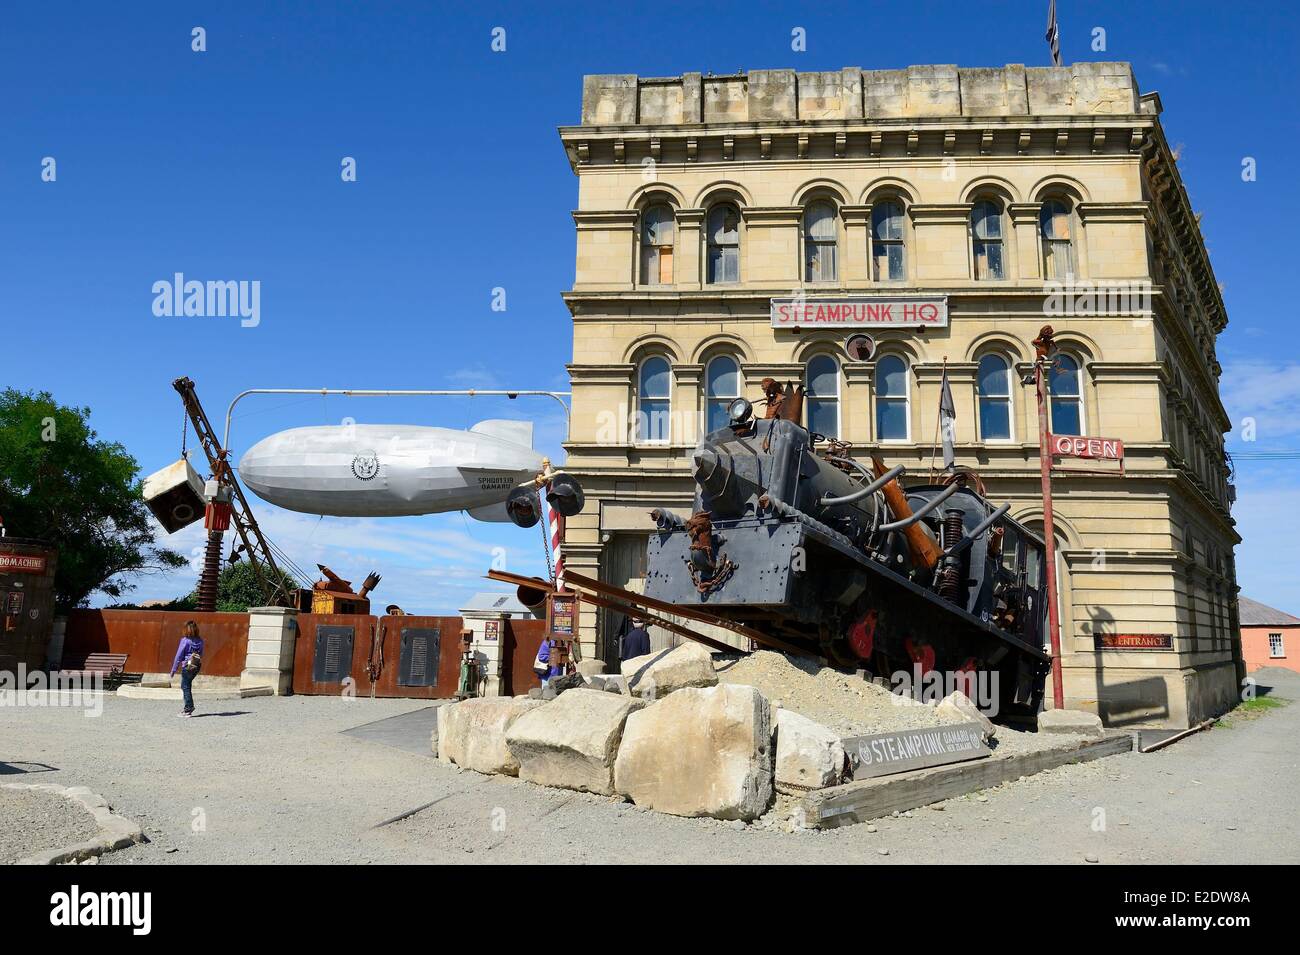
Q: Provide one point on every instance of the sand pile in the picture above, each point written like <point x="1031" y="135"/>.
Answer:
<point x="845" y="704"/>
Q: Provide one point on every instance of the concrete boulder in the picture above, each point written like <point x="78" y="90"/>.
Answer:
<point x="472" y="733"/>
<point x="657" y="674"/>
<point x="571" y="743"/>
<point x="700" y="752"/>
<point x="1078" y="722"/>
<point x="808" y="755"/>
<point x="960" y="708"/>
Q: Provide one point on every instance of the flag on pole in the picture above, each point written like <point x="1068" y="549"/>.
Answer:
<point x="947" y="422"/>
<point x="1053" y="36"/>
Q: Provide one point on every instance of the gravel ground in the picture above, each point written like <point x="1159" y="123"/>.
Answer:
<point x="272" y="780"/>
<point x="849" y="705"/>
<point x="33" y="821"/>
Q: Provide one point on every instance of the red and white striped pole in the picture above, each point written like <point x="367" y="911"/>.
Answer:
<point x="557" y="545"/>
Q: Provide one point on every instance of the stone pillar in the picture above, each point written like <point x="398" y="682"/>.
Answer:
<point x="857" y="240"/>
<point x="688" y="267"/>
<point x="489" y="632"/>
<point x="272" y="633"/>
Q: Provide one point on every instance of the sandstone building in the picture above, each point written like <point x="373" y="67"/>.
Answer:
<point x="1006" y="197"/>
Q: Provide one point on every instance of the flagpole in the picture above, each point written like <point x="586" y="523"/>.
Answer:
<point x="938" y="418"/>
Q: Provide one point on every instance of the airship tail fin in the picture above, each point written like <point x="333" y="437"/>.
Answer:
<point x="516" y="432"/>
<point x="490" y="513"/>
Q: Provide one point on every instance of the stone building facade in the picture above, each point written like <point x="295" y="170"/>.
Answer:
<point x="1013" y="196"/>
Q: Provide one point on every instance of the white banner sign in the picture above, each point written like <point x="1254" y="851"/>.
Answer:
<point x="907" y="311"/>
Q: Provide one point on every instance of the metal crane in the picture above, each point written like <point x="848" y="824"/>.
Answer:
<point x="254" y="545"/>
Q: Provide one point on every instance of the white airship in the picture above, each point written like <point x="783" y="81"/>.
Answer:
<point x="356" y="470"/>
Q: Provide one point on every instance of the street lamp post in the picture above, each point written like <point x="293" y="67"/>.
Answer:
<point x="1043" y="346"/>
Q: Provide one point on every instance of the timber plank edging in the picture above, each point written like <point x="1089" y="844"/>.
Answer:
<point x="868" y="799"/>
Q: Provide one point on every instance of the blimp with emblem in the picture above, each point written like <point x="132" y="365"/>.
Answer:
<point x="392" y="470"/>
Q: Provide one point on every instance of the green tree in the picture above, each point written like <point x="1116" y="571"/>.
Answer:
<point x="238" y="589"/>
<point x="59" y="483"/>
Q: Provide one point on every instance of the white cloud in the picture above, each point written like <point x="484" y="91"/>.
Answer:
<point x="1269" y="393"/>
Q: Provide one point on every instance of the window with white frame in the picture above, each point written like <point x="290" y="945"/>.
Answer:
<point x="1058" y="249"/>
<point x="986" y="240"/>
<point x="1276" y="648"/>
<point x="994" y="385"/>
<point x="822" y="394"/>
<point x="654" y="400"/>
<point x="657" y="234"/>
<point x="893" y="416"/>
<point x="820" y="242"/>
<point x="1066" y="388"/>
<point x="888" y="252"/>
<point x="723" y="240"/>
<point x="721" y="388"/>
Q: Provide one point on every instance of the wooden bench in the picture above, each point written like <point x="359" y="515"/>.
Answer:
<point x="107" y="665"/>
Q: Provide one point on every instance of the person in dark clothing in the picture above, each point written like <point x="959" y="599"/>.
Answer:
<point x="189" y="658"/>
<point x="636" y="642"/>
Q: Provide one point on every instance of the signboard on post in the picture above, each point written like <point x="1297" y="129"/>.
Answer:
<point x="1074" y="446"/>
<point x="884" y="754"/>
<point x="889" y="311"/>
<point x="562" y="616"/>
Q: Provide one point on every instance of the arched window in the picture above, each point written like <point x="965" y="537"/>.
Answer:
<point x="1058" y="251"/>
<point x="995" y="398"/>
<point x="654" y="400"/>
<point x="657" y="232"/>
<point x="1067" y="396"/>
<point x="822" y="392"/>
<point x="887" y="251"/>
<point x="892" y="403"/>
<point x="820" y="239"/>
<point x="724" y="244"/>
<point x="986" y="239"/>
<point x="721" y="387"/>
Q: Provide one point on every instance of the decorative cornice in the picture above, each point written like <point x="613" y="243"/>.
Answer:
<point x="604" y="219"/>
<point x="1136" y="212"/>
<point x="774" y="215"/>
<point x="939" y="213"/>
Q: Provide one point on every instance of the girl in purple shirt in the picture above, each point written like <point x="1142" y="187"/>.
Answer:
<point x="189" y="658"/>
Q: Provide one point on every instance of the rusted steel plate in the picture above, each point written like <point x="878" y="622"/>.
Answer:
<point x="519" y="645"/>
<point x="149" y="638"/>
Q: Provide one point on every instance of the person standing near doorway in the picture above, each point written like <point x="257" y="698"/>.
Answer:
<point x="636" y="642"/>
<point x="189" y="660"/>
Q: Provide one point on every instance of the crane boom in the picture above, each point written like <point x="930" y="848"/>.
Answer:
<point x="268" y="574"/>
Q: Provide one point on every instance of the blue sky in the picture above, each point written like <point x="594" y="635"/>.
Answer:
<point x="225" y="165"/>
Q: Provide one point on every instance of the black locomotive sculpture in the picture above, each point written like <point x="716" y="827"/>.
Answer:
<point x="797" y="539"/>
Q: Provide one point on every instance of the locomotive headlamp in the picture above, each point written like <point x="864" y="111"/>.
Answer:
<point x="739" y="411"/>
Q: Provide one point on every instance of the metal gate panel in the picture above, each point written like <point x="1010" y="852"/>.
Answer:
<point x="333" y="657"/>
<point x="418" y="656"/>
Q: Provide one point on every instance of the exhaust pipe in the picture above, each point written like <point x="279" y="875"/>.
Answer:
<point x="534" y="598"/>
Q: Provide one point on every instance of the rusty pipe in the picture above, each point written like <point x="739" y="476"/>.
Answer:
<point x="905" y="522"/>
<point x="923" y="550"/>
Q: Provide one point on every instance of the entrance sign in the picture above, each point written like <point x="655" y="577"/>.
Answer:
<point x="897" y="311"/>
<point x="1072" y="446"/>
<point x="884" y="754"/>
<point x="1134" y="641"/>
